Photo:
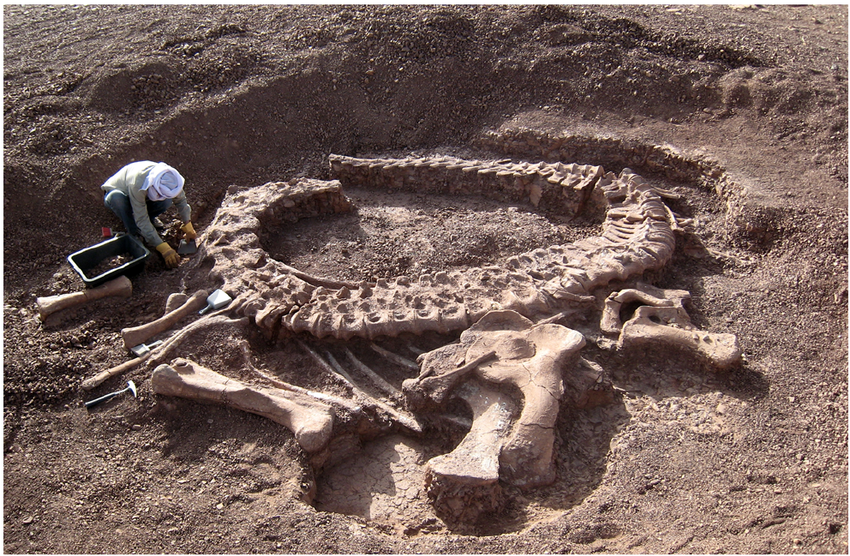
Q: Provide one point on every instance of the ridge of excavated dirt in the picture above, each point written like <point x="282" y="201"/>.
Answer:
<point x="743" y="111"/>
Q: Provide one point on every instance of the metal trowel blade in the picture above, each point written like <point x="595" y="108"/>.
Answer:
<point x="187" y="247"/>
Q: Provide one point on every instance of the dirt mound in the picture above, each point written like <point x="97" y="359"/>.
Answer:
<point x="739" y="111"/>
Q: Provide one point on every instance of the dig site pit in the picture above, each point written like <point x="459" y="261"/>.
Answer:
<point x="469" y="326"/>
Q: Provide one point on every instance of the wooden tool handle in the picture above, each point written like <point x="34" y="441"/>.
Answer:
<point x="99" y="378"/>
<point x="139" y="334"/>
<point x="119" y="287"/>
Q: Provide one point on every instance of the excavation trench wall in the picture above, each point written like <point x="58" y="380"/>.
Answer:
<point x="254" y="128"/>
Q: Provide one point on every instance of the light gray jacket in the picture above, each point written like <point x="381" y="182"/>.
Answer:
<point x="129" y="180"/>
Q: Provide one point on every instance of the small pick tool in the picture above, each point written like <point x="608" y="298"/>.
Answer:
<point x="215" y="301"/>
<point x="131" y="386"/>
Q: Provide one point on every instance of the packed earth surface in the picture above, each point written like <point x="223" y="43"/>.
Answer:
<point x="684" y="459"/>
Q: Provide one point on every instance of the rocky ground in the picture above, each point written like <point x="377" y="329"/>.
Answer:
<point x="684" y="461"/>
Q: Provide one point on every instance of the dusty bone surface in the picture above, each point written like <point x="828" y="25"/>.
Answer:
<point x="501" y="352"/>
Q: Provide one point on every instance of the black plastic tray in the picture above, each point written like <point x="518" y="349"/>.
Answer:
<point x="85" y="260"/>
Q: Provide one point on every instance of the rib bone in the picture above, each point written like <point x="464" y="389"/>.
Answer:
<point x="402" y="418"/>
<point x="375" y="377"/>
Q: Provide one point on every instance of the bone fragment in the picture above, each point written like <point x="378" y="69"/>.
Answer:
<point x="395" y="358"/>
<point x="103" y="376"/>
<point x="174" y="301"/>
<point x="318" y="281"/>
<point x="118" y="287"/>
<point x="139" y="334"/>
<point x="557" y="317"/>
<point x="721" y="350"/>
<point x="456" y="374"/>
<point x="376" y="378"/>
<point x="592" y="365"/>
<point x="415" y="349"/>
<point x="643" y="293"/>
<point x="309" y="420"/>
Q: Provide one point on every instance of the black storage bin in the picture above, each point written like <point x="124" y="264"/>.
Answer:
<point x="85" y="260"/>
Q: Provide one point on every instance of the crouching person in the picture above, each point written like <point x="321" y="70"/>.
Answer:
<point x="141" y="191"/>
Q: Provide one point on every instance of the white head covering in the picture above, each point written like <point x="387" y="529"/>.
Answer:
<point x="163" y="182"/>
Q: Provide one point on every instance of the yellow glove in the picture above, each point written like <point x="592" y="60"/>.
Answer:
<point x="169" y="254"/>
<point x="189" y="231"/>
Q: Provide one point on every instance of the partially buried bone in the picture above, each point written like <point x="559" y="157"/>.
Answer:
<point x="138" y="334"/>
<point x="310" y="420"/>
<point x="662" y="319"/>
<point x="506" y="348"/>
<point x="464" y="484"/>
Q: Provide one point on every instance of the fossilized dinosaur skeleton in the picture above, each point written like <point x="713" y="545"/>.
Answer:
<point x="495" y="307"/>
<point x="637" y="235"/>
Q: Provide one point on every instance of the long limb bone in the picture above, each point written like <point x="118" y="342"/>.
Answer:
<point x="310" y="420"/>
<point x="118" y="287"/>
<point x="465" y="482"/>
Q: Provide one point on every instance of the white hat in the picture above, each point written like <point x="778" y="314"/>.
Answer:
<point x="163" y="182"/>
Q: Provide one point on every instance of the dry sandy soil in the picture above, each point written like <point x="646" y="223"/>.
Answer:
<point x="685" y="460"/>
